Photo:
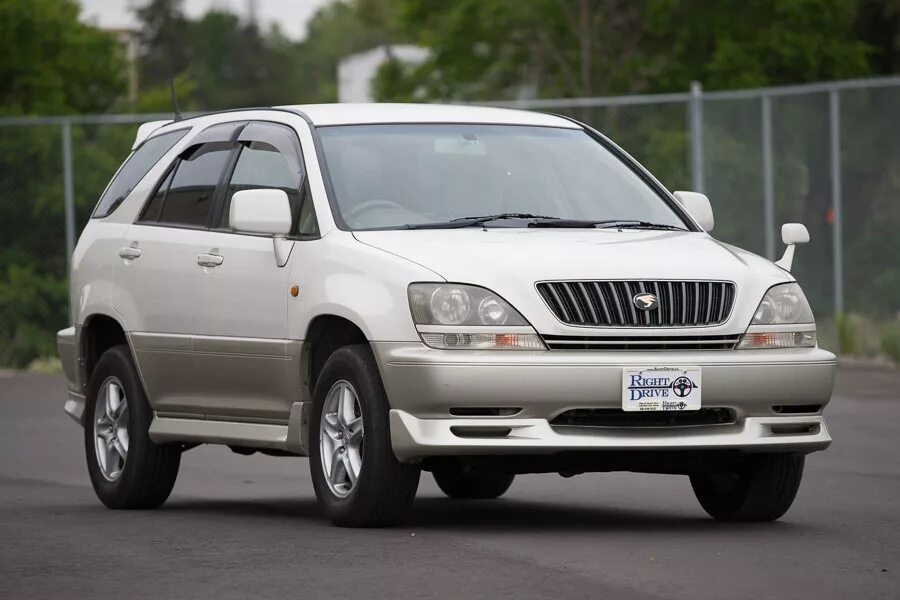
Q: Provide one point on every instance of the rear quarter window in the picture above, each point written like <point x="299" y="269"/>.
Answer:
<point x="133" y="170"/>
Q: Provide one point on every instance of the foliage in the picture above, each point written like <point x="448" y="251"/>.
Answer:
<point x="479" y="50"/>
<point x="890" y="341"/>
<point x="224" y="62"/>
<point x="338" y="30"/>
<point x="847" y="328"/>
<point x="54" y="64"/>
<point x="164" y="40"/>
<point x="737" y="44"/>
<point x="29" y="313"/>
<point x="50" y="365"/>
<point x="492" y="49"/>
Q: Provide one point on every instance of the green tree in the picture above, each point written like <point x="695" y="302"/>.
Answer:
<point x="234" y="64"/>
<point x="737" y="44"/>
<point x="337" y="30"/>
<point x="164" y="42"/>
<point x="489" y="49"/>
<point x="53" y="64"/>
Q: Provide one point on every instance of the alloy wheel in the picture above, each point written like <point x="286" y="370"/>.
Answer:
<point x="111" y="429"/>
<point x="341" y="438"/>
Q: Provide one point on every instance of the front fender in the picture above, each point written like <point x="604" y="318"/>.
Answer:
<point x="349" y="279"/>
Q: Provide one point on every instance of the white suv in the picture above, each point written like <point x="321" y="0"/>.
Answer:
<point x="475" y="292"/>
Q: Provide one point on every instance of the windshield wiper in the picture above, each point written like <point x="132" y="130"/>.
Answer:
<point x="641" y="225"/>
<point x="474" y="221"/>
<point x="544" y="221"/>
<point x="605" y="224"/>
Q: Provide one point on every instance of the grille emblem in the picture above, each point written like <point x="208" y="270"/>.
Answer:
<point x="645" y="301"/>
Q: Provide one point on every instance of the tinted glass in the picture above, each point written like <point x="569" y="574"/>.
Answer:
<point x="308" y="224"/>
<point x="151" y="211"/>
<point x="392" y="175"/>
<point x="261" y="166"/>
<point x="190" y="195"/>
<point x="136" y="166"/>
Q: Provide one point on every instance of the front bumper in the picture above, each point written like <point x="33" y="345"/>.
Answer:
<point x="423" y="385"/>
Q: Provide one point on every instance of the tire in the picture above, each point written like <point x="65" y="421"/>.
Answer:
<point x="461" y="483"/>
<point x="384" y="488"/>
<point x="762" y="489"/>
<point x="143" y="477"/>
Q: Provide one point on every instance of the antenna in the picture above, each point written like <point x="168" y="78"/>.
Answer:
<point x="174" y="99"/>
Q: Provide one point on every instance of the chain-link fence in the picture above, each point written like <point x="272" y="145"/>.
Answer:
<point x="827" y="155"/>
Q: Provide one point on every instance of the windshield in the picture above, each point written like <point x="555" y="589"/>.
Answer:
<point x="395" y="176"/>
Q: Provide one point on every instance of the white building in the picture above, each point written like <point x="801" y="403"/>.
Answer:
<point x="357" y="72"/>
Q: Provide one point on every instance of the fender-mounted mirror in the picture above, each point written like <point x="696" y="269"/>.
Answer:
<point x="791" y="234"/>
<point x="698" y="206"/>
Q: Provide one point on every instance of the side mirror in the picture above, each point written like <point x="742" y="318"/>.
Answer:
<point x="264" y="211"/>
<point x="794" y="233"/>
<point x="698" y="206"/>
<point x="791" y="234"/>
<point x="260" y="211"/>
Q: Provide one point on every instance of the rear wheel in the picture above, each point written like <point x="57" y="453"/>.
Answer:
<point x="358" y="480"/>
<point x="761" y="489"/>
<point x="461" y="482"/>
<point x="127" y="470"/>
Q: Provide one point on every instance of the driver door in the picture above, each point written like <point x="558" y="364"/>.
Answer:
<point x="245" y="364"/>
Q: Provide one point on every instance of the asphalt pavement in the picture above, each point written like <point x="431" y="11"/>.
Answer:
<point x="248" y="526"/>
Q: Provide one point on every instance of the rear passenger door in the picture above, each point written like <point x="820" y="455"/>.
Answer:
<point x="246" y="366"/>
<point x="159" y="274"/>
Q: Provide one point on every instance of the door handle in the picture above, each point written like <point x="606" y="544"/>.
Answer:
<point x="129" y="252"/>
<point x="210" y="260"/>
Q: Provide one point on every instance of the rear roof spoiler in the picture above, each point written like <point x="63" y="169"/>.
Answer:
<point x="146" y="129"/>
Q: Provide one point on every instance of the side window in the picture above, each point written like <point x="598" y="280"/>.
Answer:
<point x="154" y="206"/>
<point x="188" y="198"/>
<point x="270" y="158"/>
<point x="307" y="224"/>
<point x="133" y="170"/>
<point x="261" y="165"/>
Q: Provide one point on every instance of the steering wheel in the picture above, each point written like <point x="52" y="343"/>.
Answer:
<point x="370" y="205"/>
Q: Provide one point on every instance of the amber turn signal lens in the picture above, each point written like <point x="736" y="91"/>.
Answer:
<point x="295" y="291"/>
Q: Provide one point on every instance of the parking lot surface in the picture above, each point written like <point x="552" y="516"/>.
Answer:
<point x="248" y="526"/>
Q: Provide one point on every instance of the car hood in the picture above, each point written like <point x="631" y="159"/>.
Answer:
<point x="473" y="254"/>
<point x="510" y="261"/>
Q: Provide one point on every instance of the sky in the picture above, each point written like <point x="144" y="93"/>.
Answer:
<point x="291" y="15"/>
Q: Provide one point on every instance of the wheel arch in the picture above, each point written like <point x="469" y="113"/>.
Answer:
<point x="99" y="333"/>
<point x="325" y="334"/>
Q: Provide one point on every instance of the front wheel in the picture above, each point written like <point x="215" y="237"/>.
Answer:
<point x="358" y="480"/>
<point x="760" y="489"/>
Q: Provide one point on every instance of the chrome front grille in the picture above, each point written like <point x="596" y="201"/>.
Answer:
<point x="611" y="303"/>
<point x="643" y="343"/>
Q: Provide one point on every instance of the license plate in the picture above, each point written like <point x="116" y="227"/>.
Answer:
<point x="661" y="388"/>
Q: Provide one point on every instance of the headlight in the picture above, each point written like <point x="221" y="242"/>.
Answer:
<point x="783" y="304"/>
<point x="456" y="304"/>
<point x="783" y="319"/>
<point x="458" y="316"/>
